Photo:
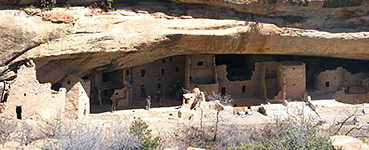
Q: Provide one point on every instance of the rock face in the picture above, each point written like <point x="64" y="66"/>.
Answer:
<point x="277" y="7"/>
<point x="81" y="41"/>
<point x="347" y="142"/>
<point x="29" y="2"/>
<point x="19" y="34"/>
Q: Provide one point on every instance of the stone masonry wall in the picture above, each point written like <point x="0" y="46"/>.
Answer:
<point x="165" y="72"/>
<point x="77" y="100"/>
<point x="28" y="96"/>
<point x="295" y="79"/>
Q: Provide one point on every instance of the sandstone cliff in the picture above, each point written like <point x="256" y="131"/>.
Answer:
<point x="83" y="40"/>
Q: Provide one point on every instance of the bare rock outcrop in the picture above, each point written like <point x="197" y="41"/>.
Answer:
<point x="60" y="16"/>
<point x="30" y="2"/>
<point x="277" y="7"/>
<point x="347" y="142"/>
<point x="81" y="41"/>
<point x="20" y="33"/>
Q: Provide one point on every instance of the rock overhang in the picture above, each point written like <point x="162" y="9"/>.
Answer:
<point x="98" y="41"/>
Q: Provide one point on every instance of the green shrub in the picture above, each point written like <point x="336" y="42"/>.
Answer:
<point x="47" y="4"/>
<point x="66" y="4"/>
<point x="107" y="5"/>
<point x="140" y="130"/>
<point x="295" y="136"/>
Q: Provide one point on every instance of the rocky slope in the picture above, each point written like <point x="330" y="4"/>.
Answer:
<point x="83" y="40"/>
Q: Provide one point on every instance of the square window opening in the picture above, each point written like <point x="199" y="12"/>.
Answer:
<point x="223" y="90"/>
<point x="200" y="63"/>
<point x="142" y="72"/>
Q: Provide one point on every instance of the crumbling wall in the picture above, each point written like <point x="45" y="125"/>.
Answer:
<point x="271" y="73"/>
<point x="202" y="69"/>
<point x="167" y="72"/>
<point x="332" y="80"/>
<point x="351" y="80"/>
<point x="202" y="76"/>
<point x="329" y="80"/>
<point x="201" y="72"/>
<point x="268" y="81"/>
<point x="77" y="99"/>
<point x="281" y="84"/>
<point x="114" y="78"/>
<point x="239" y="89"/>
<point x="123" y="96"/>
<point x="103" y="85"/>
<point x="127" y="73"/>
<point x="27" y="96"/>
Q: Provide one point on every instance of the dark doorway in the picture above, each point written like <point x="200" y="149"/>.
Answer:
<point x="142" y="72"/>
<point x="19" y="112"/>
<point x="243" y="89"/>
<point x="105" y="77"/>
<point x="223" y="90"/>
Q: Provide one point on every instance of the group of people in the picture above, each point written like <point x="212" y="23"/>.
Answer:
<point x="160" y="94"/>
<point x="174" y="91"/>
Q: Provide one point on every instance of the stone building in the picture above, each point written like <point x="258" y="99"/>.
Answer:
<point x="200" y="71"/>
<point x="333" y="80"/>
<point x="77" y="97"/>
<point x="161" y="74"/>
<point x="104" y="84"/>
<point x="164" y="75"/>
<point x="347" y="87"/>
<point x="269" y="80"/>
<point x="291" y="79"/>
<point x="28" y="97"/>
<point x="249" y="81"/>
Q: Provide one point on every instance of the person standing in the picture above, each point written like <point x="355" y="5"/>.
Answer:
<point x="171" y="92"/>
<point x="142" y="88"/>
<point x="148" y="102"/>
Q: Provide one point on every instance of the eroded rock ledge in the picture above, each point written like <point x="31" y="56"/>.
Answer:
<point x="82" y="40"/>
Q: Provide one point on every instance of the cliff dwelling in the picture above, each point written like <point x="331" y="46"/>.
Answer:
<point x="202" y="73"/>
<point x="249" y="79"/>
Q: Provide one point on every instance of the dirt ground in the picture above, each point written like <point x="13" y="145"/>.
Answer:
<point x="168" y="118"/>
